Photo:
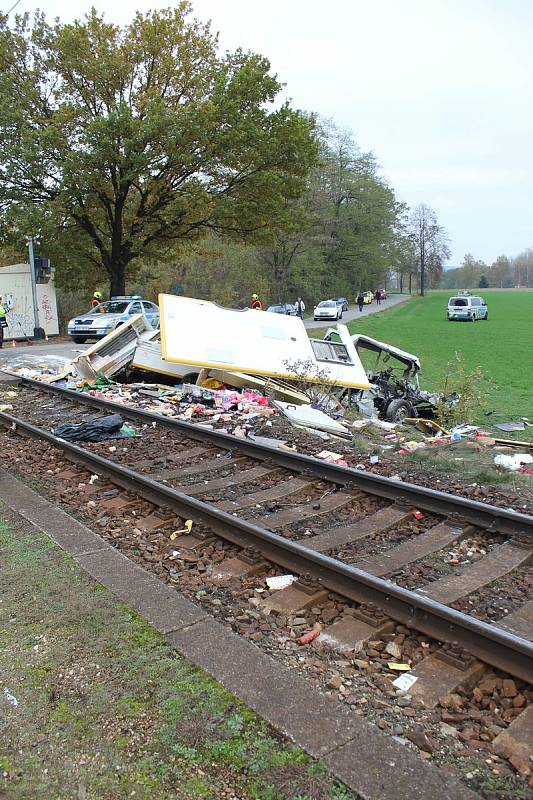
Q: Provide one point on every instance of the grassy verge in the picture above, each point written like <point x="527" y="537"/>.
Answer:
<point x="106" y="710"/>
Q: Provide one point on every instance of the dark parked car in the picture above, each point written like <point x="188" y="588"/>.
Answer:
<point x="342" y="302"/>
<point x="283" y="308"/>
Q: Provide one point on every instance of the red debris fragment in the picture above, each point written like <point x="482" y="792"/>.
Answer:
<point x="307" y="638"/>
<point x="417" y="514"/>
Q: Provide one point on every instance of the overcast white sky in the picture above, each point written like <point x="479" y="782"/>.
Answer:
<point x="440" y="90"/>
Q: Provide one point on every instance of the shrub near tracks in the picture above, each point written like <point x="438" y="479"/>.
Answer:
<point x="501" y="346"/>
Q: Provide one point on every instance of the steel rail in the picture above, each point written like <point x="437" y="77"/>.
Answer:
<point x="483" y="515"/>
<point x="487" y="642"/>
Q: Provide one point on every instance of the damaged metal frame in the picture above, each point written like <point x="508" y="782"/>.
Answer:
<point x="487" y="642"/>
<point x="392" y="398"/>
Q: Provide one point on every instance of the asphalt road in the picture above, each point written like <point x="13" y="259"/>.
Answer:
<point x="31" y="356"/>
<point x="354" y="313"/>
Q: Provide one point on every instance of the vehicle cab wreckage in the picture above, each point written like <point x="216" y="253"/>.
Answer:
<point x="395" y="392"/>
<point x="200" y="341"/>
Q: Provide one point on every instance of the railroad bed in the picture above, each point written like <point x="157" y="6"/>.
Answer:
<point x="373" y="569"/>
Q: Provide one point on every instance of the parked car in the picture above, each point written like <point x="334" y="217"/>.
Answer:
<point x="342" y="302"/>
<point x="283" y="308"/>
<point x="467" y="307"/>
<point x="368" y="298"/>
<point x="109" y="315"/>
<point x="327" y="309"/>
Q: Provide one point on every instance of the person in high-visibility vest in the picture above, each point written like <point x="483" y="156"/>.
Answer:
<point x="3" y="323"/>
<point x="97" y="300"/>
<point x="256" y="303"/>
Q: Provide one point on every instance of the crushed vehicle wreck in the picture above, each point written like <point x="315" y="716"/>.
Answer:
<point x="271" y="354"/>
<point x="395" y="392"/>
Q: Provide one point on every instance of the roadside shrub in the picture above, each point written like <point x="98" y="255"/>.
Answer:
<point x="471" y="390"/>
<point x="309" y="379"/>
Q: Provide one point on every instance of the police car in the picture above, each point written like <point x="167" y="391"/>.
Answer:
<point x="107" y="316"/>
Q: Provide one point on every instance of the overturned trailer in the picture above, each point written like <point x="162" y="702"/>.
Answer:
<point x="199" y="333"/>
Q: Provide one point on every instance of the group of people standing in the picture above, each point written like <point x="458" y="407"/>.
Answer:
<point x="258" y="305"/>
<point x="379" y="295"/>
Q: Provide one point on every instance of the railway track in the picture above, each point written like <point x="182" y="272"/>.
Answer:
<point x="343" y="530"/>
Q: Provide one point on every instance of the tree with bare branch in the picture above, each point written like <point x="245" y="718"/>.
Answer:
<point x="431" y="242"/>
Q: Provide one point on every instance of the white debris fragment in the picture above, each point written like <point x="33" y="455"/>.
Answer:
<point x="280" y="582"/>
<point x="11" y="699"/>
<point x="513" y="462"/>
<point x="404" y="682"/>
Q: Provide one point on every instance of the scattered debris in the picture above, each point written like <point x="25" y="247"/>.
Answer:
<point x="94" y="430"/>
<point x="309" y="417"/>
<point x="11" y="699"/>
<point x="513" y="463"/>
<point x="404" y="682"/>
<point x="280" y="582"/>
<point x="332" y="458"/>
<point x="307" y="638"/>
<point x="186" y="529"/>
<point x="510" y="426"/>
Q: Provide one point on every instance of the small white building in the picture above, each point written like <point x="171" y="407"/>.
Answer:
<point x="15" y="290"/>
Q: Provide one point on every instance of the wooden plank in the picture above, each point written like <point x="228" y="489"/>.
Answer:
<point x="379" y="522"/>
<point x="424" y="544"/>
<point x="265" y="495"/>
<point x="500" y="561"/>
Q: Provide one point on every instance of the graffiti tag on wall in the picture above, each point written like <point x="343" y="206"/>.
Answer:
<point x="46" y="307"/>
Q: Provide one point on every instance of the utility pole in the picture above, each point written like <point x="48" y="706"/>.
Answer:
<point x="38" y="332"/>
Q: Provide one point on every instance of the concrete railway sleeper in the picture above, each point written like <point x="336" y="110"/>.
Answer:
<point x="489" y="643"/>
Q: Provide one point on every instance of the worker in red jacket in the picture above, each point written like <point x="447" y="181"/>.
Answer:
<point x="256" y="303"/>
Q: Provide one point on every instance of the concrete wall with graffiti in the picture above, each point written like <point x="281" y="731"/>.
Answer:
<point x="15" y="290"/>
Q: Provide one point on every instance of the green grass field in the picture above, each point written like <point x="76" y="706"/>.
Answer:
<point x="502" y="346"/>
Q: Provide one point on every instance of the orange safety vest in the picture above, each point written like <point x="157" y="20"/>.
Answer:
<point x="257" y="304"/>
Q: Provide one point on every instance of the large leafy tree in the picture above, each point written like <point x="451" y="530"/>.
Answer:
<point x="120" y="143"/>
<point x="362" y="214"/>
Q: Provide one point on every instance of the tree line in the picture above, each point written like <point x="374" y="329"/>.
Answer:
<point x="503" y="273"/>
<point x="142" y="158"/>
